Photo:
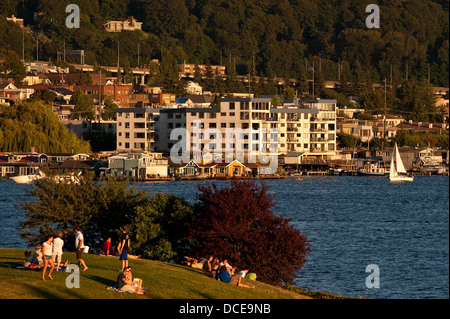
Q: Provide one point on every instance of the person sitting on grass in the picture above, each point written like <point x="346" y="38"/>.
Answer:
<point x="215" y="268"/>
<point x="194" y="263"/>
<point x="36" y="258"/>
<point x="226" y="275"/>
<point x="125" y="283"/>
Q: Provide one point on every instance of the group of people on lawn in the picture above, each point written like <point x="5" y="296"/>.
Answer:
<point x="221" y="270"/>
<point x="51" y="251"/>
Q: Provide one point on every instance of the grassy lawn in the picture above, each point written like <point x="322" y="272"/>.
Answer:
<point x="164" y="281"/>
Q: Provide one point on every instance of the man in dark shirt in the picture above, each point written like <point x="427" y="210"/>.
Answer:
<point x="123" y="247"/>
<point x="226" y="276"/>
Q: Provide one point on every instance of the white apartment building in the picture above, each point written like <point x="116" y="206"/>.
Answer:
<point x="136" y="129"/>
<point x="245" y="127"/>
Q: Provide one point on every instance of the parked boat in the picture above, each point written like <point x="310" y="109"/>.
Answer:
<point x="28" y="179"/>
<point x="398" y="172"/>
<point x="373" y="169"/>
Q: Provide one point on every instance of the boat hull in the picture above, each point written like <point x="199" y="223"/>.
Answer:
<point x="363" y="173"/>
<point x="26" y="179"/>
<point x="401" y="179"/>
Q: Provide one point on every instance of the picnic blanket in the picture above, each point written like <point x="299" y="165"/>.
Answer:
<point x="114" y="288"/>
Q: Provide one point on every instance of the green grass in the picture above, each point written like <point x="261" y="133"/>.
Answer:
<point x="164" y="281"/>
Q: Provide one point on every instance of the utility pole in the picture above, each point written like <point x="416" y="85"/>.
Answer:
<point x="100" y="98"/>
<point x="23" y="46"/>
<point x="118" y="57"/>
<point x="313" y="81"/>
<point x="138" y="52"/>
<point x="384" y="116"/>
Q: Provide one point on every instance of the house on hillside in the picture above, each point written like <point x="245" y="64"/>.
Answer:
<point x="130" y="24"/>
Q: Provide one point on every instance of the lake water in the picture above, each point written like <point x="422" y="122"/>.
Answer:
<point x="350" y="221"/>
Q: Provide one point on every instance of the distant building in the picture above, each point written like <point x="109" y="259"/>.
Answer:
<point x="130" y="24"/>
<point x="307" y="126"/>
<point x="10" y="91"/>
<point x="118" y="93"/>
<point x="188" y="70"/>
<point x="137" y="165"/>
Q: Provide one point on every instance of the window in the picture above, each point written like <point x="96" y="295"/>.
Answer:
<point x="139" y="135"/>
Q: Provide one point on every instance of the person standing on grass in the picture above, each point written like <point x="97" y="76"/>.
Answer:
<point x="47" y="249"/>
<point x="79" y="245"/>
<point x="58" y="244"/>
<point x="124" y="246"/>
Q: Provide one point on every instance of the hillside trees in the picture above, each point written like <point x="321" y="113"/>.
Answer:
<point x="276" y="35"/>
<point x="84" y="108"/>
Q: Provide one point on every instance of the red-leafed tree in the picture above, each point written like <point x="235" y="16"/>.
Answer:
<point x="237" y="223"/>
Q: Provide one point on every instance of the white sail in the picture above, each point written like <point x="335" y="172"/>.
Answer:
<point x="400" y="167"/>
<point x="392" y="171"/>
<point x="398" y="170"/>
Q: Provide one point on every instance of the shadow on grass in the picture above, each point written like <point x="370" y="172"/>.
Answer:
<point x="104" y="281"/>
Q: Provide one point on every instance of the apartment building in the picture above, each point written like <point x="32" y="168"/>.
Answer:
<point x="118" y="93"/>
<point x="136" y="129"/>
<point x="322" y="127"/>
<point x="242" y="128"/>
<point x="188" y="70"/>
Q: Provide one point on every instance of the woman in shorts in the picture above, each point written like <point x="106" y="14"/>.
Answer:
<point x="47" y="250"/>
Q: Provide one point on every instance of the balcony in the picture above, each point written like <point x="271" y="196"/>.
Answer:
<point x="320" y="140"/>
<point x="318" y="129"/>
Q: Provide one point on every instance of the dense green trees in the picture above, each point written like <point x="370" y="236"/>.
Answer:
<point x="29" y="124"/>
<point x="261" y="37"/>
<point x="277" y="36"/>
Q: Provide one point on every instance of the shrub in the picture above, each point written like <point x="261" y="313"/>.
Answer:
<point x="237" y="223"/>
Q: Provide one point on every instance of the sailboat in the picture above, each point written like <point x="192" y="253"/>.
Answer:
<point x="398" y="172"/>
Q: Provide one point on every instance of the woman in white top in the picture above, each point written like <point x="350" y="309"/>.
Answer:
<point x="58" y="244"/>
<point x="47" y="250"/>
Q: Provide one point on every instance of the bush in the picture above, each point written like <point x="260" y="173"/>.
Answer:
<point x="237" y="223"/>
<point x="160" y="228"/>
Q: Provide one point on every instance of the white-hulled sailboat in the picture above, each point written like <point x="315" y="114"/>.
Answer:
<point x="398" y="172"/>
